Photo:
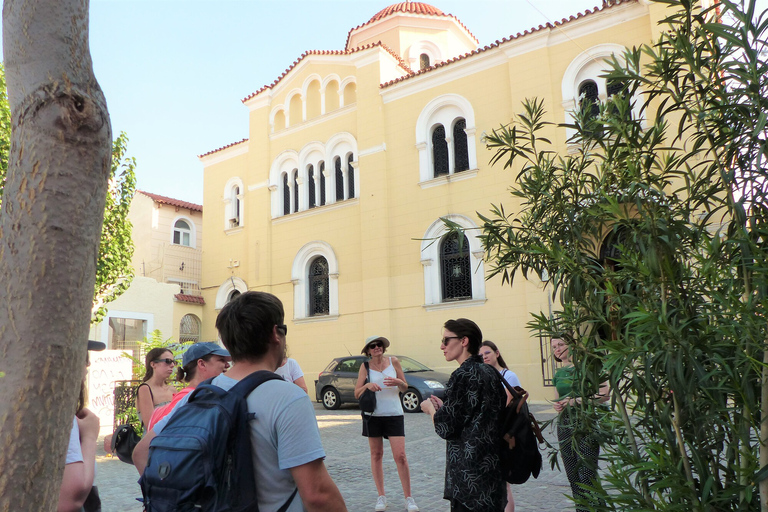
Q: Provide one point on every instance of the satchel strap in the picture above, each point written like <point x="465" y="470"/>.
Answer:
<point x="368" y="371"/>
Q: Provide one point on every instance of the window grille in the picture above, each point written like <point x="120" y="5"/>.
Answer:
<point x="322" y="183"/>
<point x="311" y="187"/>
<point x="350" y="177"/>
<point x="286" y="195"/>
<point x="319" y="290"/>
<point x="423" y="61"/>
<point x="548" y="363"/>
<point x="295" y="190"/>
<point x="339" y="179"/>
<point x="455" y="268"/>
<point x="189" y="329"/>
<point x="460" y="151"/>
<point x="440" y="151"/>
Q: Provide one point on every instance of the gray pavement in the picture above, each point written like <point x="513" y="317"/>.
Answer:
<point x="348" y="461"/>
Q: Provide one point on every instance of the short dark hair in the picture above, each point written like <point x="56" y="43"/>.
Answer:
<point x="246" y="324"/>
<point x="465" y="327"/>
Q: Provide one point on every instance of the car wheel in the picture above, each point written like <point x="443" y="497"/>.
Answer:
<point x="331" y="399"/>
<point x="411" y="400"/>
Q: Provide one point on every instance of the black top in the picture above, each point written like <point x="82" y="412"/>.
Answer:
<point x="469" y="422"/>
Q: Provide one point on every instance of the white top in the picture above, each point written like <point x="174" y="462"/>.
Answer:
<point x="284" y="435"/>
<point x="290" y="371"/>
<point x="388" y="399"/>
<point x="510" y="377"/>
<point x="74" y="450"/>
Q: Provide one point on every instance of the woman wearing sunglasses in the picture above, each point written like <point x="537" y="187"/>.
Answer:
<point x="387" y="381"/>
<point x="155" y="390"/>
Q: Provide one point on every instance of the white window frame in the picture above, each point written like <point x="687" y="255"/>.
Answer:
<point x="431" y="261"/>
<point x="300" y="280"/>
<point x="589" y="65"/>
<point x="445" y="110"/>
<point x="231" y="201"/>
<point x="227" y="287"/>
<point x="192" y="232"/>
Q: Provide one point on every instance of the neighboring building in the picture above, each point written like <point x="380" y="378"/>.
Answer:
<point x="334" y="202"/>
<point x="165" y="292"/>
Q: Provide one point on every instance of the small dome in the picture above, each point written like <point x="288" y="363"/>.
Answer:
<point x="408" y="7"/>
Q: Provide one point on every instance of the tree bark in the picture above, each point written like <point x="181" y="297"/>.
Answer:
<point x="50" y="226"/>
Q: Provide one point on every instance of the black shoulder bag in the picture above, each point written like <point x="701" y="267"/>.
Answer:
<point x="368" y="398"/>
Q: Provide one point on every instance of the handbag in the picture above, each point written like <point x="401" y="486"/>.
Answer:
<point x="368" y="398"/>
<point x="124" y="440"/>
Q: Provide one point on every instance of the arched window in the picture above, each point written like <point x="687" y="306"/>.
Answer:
<point x="286" y="195"/>
<point x="439" y="151"/>
<point x="182" y="233"/>
<point x="230" y="289"/>
<point x="461" y="154"/>
<point x="339" y="179"/>
<point x="350" y="177"/>
<point x="295" y="190"/>
<point x="319" y="290"/>
<point x="423" y="61"/>
<point x="189" y="329"/>
<point x="455" y="268"/>
<point x="588" y="97"/>
<point x="233" y="204"/>
<point x="322" y="183"/>
<point x="311" y="185"/>
<point x="233" y="295"/>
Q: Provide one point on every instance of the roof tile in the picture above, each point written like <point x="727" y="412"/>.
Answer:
<point x="173" y="202"/>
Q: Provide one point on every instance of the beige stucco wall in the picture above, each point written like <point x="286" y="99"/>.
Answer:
<point x="376" y="236"/>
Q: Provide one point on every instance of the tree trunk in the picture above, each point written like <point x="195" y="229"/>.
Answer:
<point x="50" y="226"/>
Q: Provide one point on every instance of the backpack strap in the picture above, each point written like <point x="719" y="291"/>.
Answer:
<point x="252" y="381"/>
<point x="288" y="503"/>
<point x="368" y="370"/>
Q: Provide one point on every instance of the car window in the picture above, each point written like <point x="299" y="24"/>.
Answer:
<point x="409" y="365"/>
<point x="331" y="366"/>
<point x="350" y="365"/>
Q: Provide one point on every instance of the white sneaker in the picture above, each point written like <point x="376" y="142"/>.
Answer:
<point x="410" y="505"/>
<point x="381" y="504"/>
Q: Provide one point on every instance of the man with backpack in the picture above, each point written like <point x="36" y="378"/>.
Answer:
<point x="286" y="451"/>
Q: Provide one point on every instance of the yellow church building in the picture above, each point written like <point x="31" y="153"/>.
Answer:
<point x="334" y="201"/>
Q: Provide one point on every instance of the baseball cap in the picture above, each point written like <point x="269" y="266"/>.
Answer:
<point x="200" y="350"/>
<point x="96" y="345"/>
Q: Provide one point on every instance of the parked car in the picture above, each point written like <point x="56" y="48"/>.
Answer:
<point x="336" y="384"/>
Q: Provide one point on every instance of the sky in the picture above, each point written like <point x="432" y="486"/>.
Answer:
<point x="174" y="72"/>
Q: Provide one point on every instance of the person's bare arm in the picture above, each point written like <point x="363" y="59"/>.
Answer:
<point x="141" y="452"/>
<point x="144" y="404"/>
<point x="399" y="381"/>
<point x="302" y="384"/>
<point x="361" y="385"/>
<point x="317" y="490"/>
<point x="78" y="476"/>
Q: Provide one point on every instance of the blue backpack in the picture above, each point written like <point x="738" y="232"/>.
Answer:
<point x="201" y="460"/>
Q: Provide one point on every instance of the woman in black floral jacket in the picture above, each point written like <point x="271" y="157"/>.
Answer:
<point x="468" y="421"/>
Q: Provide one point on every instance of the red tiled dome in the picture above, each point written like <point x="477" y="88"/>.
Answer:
<point x="410" y="7"/>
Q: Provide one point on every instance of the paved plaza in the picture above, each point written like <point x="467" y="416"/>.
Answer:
<point x="348" y="461"/>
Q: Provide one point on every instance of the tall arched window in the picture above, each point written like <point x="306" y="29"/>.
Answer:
<point x="339" y="179"/>
<point x="182" y="233"/>
<point x="295" y="190"/>
<point x="439" y="151"/>
<point x="588" y="97"/>
<point x="460" y="152"/>
<point x="235" y="220"/>
<point x="322" y="183"/>
<point x="311" y="185"/>
<point x="189" y="329"/>
<point x="455" y="268"/>
<point x="319" y="290"/>
<point x="350" y="177"/>
<point x="286" y="195"/>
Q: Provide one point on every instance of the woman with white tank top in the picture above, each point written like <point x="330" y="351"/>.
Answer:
<point x="387" y="381"/>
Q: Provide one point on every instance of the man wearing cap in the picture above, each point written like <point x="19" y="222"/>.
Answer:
<point x="387" y="380"/>
<point x="200" y="362"/>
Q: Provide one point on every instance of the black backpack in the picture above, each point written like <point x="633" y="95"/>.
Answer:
<point x="521" y="435"/>
<point x="201" y="460"/>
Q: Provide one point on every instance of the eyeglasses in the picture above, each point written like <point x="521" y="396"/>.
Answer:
<point x="376" y="344"/>
<point x="283" y="328"/>
<point x="166" y="361"/>
<point x="444" y="341"/>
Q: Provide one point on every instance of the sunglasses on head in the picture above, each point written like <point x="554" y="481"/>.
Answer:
<point x="166" y="361"/>
<point x="283" y="328"/>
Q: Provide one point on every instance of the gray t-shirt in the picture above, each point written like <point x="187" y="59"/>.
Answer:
<point x="284" y="435"/>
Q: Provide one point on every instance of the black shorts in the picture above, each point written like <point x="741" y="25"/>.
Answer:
<point x="383" y="426"/>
